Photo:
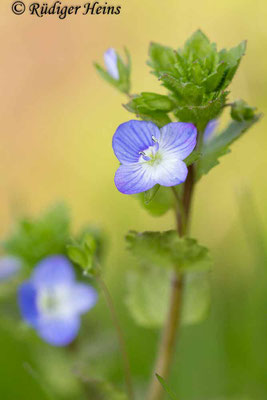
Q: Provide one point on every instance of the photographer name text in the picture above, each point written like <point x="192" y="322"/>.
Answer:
<point x="63" y="11"/>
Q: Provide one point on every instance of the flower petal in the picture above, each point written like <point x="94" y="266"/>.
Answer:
<point x="210" y="129"/>
<point x="111" y="62"/>
<point x="83" y="298"/>
<point x="171" y="172"/>
<point x="27" y="299"/>
<point x="58" y="331"/>
<point x="9" y="266"/>
<point x="52" y="271"/>
<point x="134" y="178"/>
<point x="178" y="138"/>
<point x="132" y="137"/>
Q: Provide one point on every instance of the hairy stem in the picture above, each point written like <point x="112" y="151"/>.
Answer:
<point x="168" y="340"/>
<point x="125" y="359"/>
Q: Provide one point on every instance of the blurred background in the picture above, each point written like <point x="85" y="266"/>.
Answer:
<point x="57" y="121"/>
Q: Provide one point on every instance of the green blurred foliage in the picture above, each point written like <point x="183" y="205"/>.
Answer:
<point x="35" y="238"/>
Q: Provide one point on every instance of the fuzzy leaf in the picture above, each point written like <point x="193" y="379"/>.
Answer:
<point x="201" y="115"/>
<point x="167" y="249"/>
<point x="146" y="102"/>
<point x="187" y="92"/>
<point x="160" y="118"/>
<point x="232" y="58"/>
<point x="162" y="59"/>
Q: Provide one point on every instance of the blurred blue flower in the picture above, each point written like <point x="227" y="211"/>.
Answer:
<point x="210" y="129"/>
<point x="52" y="301"/>
<point x="111" y="62"/>
<point x="150" y="156"/>
<point x="9" y="266"/>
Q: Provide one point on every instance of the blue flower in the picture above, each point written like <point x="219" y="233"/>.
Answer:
<point x="9" y="266"/>
<point x="150" y="156"/>
<point x="52" y="301"/>
<point x="111" y="62"/>
<point x="210" y="129"/>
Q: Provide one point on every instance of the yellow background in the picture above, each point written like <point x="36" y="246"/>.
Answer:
<point x="58" y="116"/>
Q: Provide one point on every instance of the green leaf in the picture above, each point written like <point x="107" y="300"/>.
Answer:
<point x="232" y="58"/>
<point x="83" y="253"/>
<point x="193" y="157"/>
<point x="220" y="145"/>
<point x="36" y="238"/>
<point x="162" y="59"/>
<point x="201" y="115"/>
<point x="166" y="388"/>
<point x="150" y="194"/>
<point x="148" y="292"/>
<point x="187" y="92"/>
<point x="162" y="200"/>
<point x="146" y="102"/>
<point x="160" y="118"/>
<point x="167" y="249"/>
<point x="196" y="297"/>
<point x="198" y="46"/>
<point x="78" y="256"/>
<point x="213" y="81"/>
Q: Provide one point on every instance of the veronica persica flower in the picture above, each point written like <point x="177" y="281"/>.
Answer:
<point x="9" y="267"/>
<point x="52" y="301"/>
<point x="150" y="156"/>
<point x="111" y="62"/>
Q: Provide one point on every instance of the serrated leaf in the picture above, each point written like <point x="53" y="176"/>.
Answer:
<point x="220" y="145"/>
<point x="166" y="388"/>
<point x="167" y="249"/>
<point x="232" y="57"/>
<point x="146" y="102"/>
<point x="201" y="115"/>
<point x="36" y="238"/>
<point x="163" y="201"/>
<point x="196" y="297"/>
<point x="159" y="118"/>
<point x="161" y="59"/>
<point x="187" y="92"/>
<point x="213" y="81"/>
<point x="197" y="46"/>
<point x="148" y="292"/>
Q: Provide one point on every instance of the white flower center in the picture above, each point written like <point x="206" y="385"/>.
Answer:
<point x="55" y="302"/>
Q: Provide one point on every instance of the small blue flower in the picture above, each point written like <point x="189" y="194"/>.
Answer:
<point x="52" y="301"/>
<point x="9" y="266"/>
<point x="111" y="62"/>
<point x="210" y="129"/>
<point x="150" y="156"/>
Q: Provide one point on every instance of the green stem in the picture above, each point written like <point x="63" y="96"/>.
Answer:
<point x="168" y="340"/>
<point x="125" y="359"/>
